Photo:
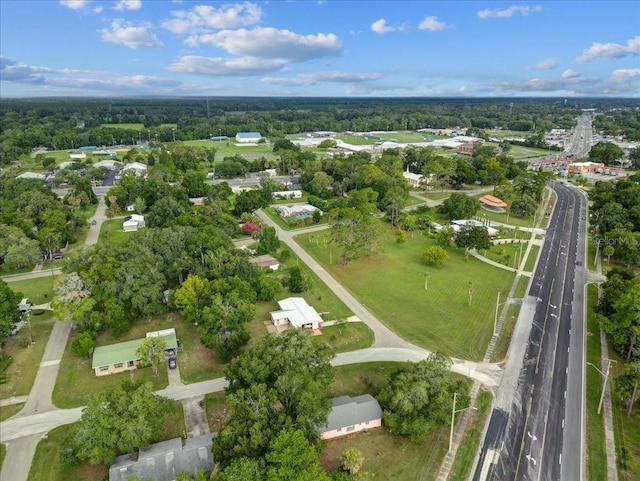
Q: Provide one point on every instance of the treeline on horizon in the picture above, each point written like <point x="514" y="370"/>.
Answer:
<point x="60" y="123"/>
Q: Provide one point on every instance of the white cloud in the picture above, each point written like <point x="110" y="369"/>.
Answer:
<point x="125" y="33"/>
<point x="625" y="75"/>
<point x="508" y="12"/>
<point x="312" y="78"/>
<point x="432" y="24"/>
<point x="234" y="67"/>
<point x="567" y="74"/>
<point x="547" y="64"/>
<point x="128" y="5"/>
<point x="380" y="26"/>
<point x="74" y="4"/>
<point x="607" y="51"/>
<point x="206" y="17"/>
<point x="271" y="43"/>
<point x="97" y="9"/>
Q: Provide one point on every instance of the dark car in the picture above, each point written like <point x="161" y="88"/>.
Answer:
<point x="172" y="363"/>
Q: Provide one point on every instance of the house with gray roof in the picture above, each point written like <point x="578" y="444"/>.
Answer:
<point x="163" y="461"/>
<point x="351" y="415"/>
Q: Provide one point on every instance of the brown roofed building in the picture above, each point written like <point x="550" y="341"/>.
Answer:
<point x="266" y="262"/>
<point x="492" y="203"/>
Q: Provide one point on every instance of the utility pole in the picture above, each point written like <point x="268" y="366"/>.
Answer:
<point x="495" y="319"/>
<point x="453" y="420"/>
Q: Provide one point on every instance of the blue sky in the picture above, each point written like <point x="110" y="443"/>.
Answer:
<point x="319" y="48"/>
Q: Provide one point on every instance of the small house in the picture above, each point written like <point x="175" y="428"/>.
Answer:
<point x="265" y="262"/>
<point x="122" y="356"/>
<point x="133" y="222"/>
<point x="351" y="415"/>
<point x="295" y="312"/>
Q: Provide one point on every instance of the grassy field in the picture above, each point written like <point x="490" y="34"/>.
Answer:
<point x="39" y="290"/>
<point x="26" y="359"/>
<point x="3" y="454"/>
<point x="596" y="452"/>
<point x="441" y="318"/>
<point x="503" y="253"/>
<point x="471" y="440"/>
<point x="386" y="457"/>
<point x="47" y="465"/>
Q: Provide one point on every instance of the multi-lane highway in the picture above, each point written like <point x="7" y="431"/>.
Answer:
<point x="539" y="436"/>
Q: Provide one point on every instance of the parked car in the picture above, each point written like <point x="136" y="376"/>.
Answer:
<point x="57" y="257"/>
<point x="172" y="363"/>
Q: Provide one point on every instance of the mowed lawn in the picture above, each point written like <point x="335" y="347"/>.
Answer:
<point x="392" y="286"/>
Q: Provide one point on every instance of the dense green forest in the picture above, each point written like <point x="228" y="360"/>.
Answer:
<point x="66" y="123"/>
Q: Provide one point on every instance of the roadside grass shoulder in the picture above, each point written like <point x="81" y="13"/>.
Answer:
<point x="38" y="290"/>
<point x="504" y="340"/>
<point x="22" y="371"/>
<point x="8" y="411"/>
<point x="596" y="452"/>
<point x="391" y="284"/>
<point x="532" y="258"/>
<point x="471" y="439"/>
<point x="3" y="454"/>
<point x="521" y="288"/>
<point x="47" y="462"/>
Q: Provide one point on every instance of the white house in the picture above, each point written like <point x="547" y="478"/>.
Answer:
<point x="133" y="222"/>
<point x="295" y="312"/>
<point x="31" y="175"/>
<point x="248" y="137"/>
<point x="137" y="168"/>
<point x="287" y="194"/>
<point x="412" y="179"/>
<point x="81" y="156"/>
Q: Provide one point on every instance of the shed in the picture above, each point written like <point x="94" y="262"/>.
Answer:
<point x="350" y="415"/>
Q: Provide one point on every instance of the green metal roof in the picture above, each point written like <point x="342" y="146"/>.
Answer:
<point x="125" y="351"/>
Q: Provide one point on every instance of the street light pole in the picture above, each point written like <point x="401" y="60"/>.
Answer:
<point x="495" y="318"/>
<point x="453" y="417"/>
<point x="604" y="384"/>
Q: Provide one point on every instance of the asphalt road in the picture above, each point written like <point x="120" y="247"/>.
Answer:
<point x="542" y="440"/>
